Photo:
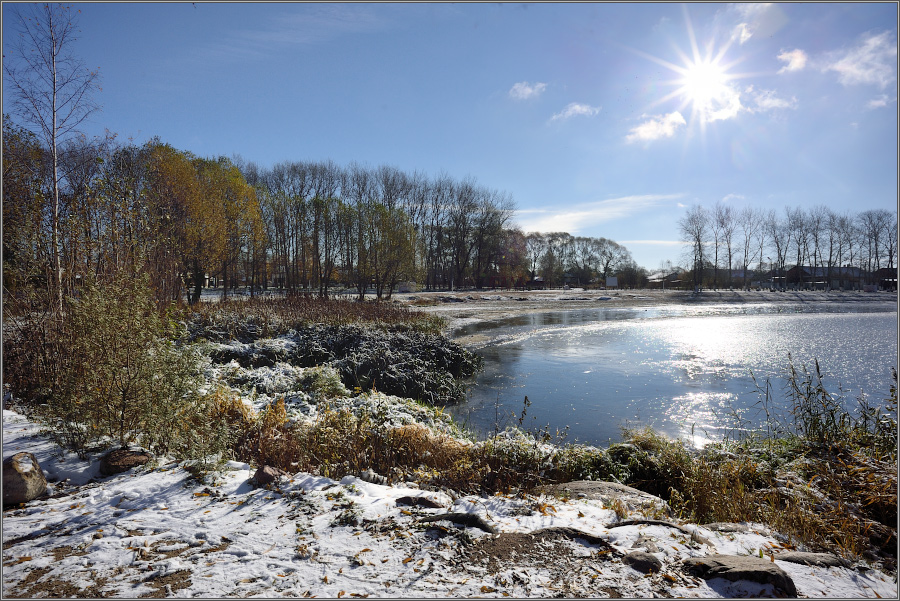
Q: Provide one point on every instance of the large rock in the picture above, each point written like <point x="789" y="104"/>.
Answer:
<point x="23" y="479"/>
<point x="734" y="568"/>
<point x="268" y="474"/>
<point x="636" y="501"/>
<point x="643" y="562"/>
<point x="122" y="460"/>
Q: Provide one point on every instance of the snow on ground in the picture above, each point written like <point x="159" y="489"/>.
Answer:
<point x="157" y="531"/>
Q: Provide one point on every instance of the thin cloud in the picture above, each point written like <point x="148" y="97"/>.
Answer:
<point x="724" y="106"/>
<point x="872" y="62"/>
<point x="796" y="60"/>
<point x="742" y="33"/>
<point x="761" y="18"/>
<point x="577" y="218"/>
<point x="524" y="90"/>
<point x="729" y="197"/>
<point x="658" y="127"/>
<point x="575" y="109"/>
<point x="881" y="101"/>
<point x="297" y="26"/>
<point x="652" y="242"/>
<point x="766" y="100"/>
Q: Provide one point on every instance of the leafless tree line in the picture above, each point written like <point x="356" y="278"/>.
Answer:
<point x="724" y="243"/>
<point x="374" y="227"/>
<point x="559" y="257"/>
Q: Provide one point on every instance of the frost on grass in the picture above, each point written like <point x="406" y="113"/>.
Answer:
<point x="410" y="364"/>
<point x="161" y="531"/>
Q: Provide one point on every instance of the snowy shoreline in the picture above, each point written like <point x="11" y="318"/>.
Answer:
<point x="158" y="531"/>
<point x="470" y="307"/>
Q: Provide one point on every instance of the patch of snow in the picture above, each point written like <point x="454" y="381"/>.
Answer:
<point x="137" y="532"/>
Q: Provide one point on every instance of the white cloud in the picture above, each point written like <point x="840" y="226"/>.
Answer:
<point x="576" y="218"/>
<point x="766" y="100"/>
<point x="663" y="126"/>
<point x="728" y="197"/>
<point x="524" y="90"/>
<point x="574" y="109"/>
<point x="751" y="10"/>
<point x="741" y="33"/>
<point x="761" y="18"/>
<point x="881" y="101"/>
<point x="873" y="62"/>
<point x="795" y="59"/>
<point x="725" y="105"/>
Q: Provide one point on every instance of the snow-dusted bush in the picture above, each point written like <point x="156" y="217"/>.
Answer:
<point x="124" y="378"/>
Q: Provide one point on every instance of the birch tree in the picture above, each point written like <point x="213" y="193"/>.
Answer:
<point x="51" y="91"/>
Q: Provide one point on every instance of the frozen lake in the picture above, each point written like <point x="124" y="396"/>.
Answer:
<point x="685" y="370"/>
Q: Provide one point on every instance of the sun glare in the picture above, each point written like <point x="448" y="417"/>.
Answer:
<point x="703" y="84"/>
<point x="703" y="81"/>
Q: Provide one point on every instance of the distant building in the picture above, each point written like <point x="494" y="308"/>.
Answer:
<point x="822" y="278"/>
<point x="664" y="280"/>
<point x="886" y="278"/>
<point x="537" y="283"/>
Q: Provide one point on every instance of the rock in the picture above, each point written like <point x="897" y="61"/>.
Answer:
<point x="634" y="500"/>
<point x="419" y="501"/>
<point x="122" y="460"/>
<point x="822" y="560"/>
<point x="23" y="479"/>
<point x="643" y="562"/>
<point x="467" y="519"/>
<point x="268" y="474"/>
<point x="372" y="478"/>
<point x="727" y="527"/>
<point x="734" y="568"/>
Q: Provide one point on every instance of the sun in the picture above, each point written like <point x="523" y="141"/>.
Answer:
<point x="703" y="80"/>
<point x="704" y="83"/>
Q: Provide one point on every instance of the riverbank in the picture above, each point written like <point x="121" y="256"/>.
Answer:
<point x="383" y="496"/>
<point x="463" y="308"/>
<point x="159" y="531"/>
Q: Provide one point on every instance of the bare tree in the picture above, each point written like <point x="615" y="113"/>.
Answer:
<point x="797" y="235"/>
<point x="694" y="226"/>
<point x="780" y="236"/>
<point x="750" y="221"/>
<point x="890" y="242"/>
<point x="51" y="90"/>
<point x="873" y="225"/>
<point x="726" y="223"/>
<point x="816" y="222"/>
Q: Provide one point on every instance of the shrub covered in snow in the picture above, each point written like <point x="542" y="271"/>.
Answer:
<point x="404" y="363"/>
<point x="124" y="378"/>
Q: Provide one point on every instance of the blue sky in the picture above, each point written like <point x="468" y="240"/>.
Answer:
<point x="600" y="119"/>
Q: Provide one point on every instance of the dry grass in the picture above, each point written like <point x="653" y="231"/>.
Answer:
<point x="839" y="497"/>
<point x="250" y="319"/>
